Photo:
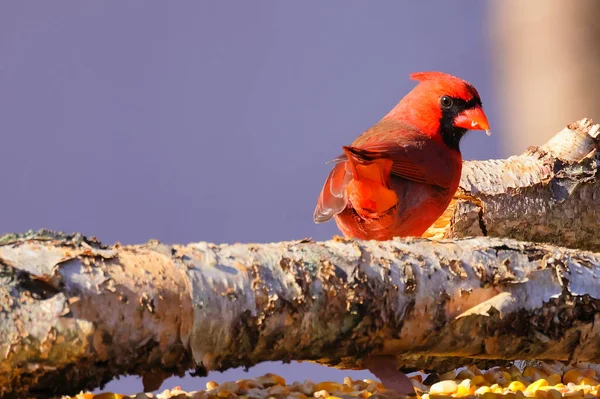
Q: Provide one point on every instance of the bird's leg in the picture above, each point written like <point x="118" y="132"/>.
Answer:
<point x="385" y="368"/>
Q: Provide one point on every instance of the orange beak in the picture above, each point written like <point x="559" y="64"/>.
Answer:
<point x="473" y="119"/>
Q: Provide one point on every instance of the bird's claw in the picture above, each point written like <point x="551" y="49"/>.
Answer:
<point x="385" y="368"/>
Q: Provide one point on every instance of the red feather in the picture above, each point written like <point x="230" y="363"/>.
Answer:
<point x="399" y="176"/>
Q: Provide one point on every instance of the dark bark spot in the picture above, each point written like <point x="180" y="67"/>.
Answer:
<point x="440" y="318"/>
<point x="37" y="287"/>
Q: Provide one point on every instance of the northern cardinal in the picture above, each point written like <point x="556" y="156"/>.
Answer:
<point x="400" y="175"/>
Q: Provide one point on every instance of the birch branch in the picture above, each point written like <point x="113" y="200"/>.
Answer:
<point x="76" y="313"/>
<point x="548" y="194"/>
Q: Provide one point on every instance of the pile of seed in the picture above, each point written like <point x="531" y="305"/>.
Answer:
<point x="544" y="382"/>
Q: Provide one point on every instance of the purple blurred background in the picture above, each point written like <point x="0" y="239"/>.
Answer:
<point x="188" y="121"/>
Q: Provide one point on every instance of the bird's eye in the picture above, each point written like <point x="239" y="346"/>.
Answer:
<point x="446" y="102"/>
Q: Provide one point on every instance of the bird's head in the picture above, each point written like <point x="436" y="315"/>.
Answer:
<point x="442" y="106"/>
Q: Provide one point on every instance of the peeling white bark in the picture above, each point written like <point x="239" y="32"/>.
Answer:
<point x="548" y="194"/>
<point x="76" y="313"/>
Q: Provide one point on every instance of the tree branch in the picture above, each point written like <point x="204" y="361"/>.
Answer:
<point x="548" y="194"/>
<point x="76" y="313"/>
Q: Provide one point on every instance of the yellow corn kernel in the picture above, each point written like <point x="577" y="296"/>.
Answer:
<point x="478" y="380"/>
<point x="553" y="379"/>
<point x="583" y="388"/>
<point x="270" y="379"/>
<point x="352" y="393"/>
<point x="462" y="390"/>
<point x="482" y="390"/>
<point x="534" y="373"/>
<point x="589" y="373"/>
<point x="552" y="368"/>
<point x="514" y="371"/>
<point x="321" y="394"/>
<point x="446" y="387"/>
<point x="227" y="387"/>
<point x="506" y="376"/>
<point x="573" y="394"/>
<point x="517" y="386"/>
<point x="546" y="388"/>
<point x="244" y="386"/>
<point x="589" y="381"/>
<point x="536" y="385"/>
<point x="365" y="394"/>
<point x="211" y="385"/>
<point x="497" y="388"/>
<point x="466" y="383"/>
<point x="278" y="390"/>
<point x="464" y="374"/>
<point x="488" y="395"/>
<point x="573" y="376"/>
<point x="333" y="397"/>
<point x="108" y="395"/>
<point x="450" y="375"/>
<point x="524" y="380"/>
<point x="347" y="388"/>
<point x="329" y="386"/>
<point x="553" y="394"/>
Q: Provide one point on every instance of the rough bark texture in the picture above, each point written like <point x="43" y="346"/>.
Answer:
<point x="548" y="194"/>
<point x="76" y="313"/>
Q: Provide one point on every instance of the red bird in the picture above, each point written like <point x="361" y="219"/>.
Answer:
<point x="400" y="175"/>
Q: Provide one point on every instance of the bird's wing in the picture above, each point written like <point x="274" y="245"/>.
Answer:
<point x="415" y="157"/>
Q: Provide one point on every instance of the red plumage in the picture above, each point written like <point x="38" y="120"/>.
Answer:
<point x="400" y="175"/>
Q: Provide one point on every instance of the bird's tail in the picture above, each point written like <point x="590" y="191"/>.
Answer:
<point x="362" y="176"/>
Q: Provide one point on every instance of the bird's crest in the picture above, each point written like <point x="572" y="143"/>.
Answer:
<point x="423" y="76"/>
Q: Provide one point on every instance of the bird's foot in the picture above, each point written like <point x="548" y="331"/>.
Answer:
<point x="385" y="368"/>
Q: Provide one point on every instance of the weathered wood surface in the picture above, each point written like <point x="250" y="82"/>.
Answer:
<point x="76" y="313"/>
<point x="548" y="194"/>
